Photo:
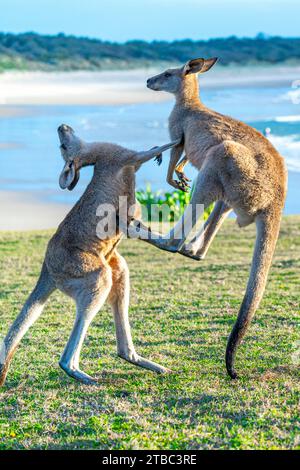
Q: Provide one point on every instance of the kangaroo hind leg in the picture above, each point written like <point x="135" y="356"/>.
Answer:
<point x="89" y="297"/>
<point x="199" y="245"/>
<point x="119" y="300"/>
<point x="26" y="318"/>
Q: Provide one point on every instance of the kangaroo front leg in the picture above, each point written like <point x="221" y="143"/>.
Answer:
<point x="88" y="302"/>
<point x="176" y="153"/>
<point x="200" y="244"/>
<point x="179" y="170"/>
<point x="119" y="300"/>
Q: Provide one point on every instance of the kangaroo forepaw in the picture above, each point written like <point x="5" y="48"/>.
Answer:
<point x="182" y="177"/>
<point x="183" y="186"/>
<point x="158" y="159"/>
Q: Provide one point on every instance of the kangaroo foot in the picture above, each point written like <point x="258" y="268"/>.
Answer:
<point x="77" y="374"/>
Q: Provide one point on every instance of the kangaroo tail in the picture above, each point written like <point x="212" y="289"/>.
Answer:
<point x="267" y="230"/>
<point x="28" y="315"/>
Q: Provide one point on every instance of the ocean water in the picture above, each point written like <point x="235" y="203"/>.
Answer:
<point x="30" y="159"/>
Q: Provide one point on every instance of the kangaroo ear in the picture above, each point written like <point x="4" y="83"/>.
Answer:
<point x="199" y="65"/>
<point x="69" y="176"/>
<point x="193" y="66"/>
<point x="208" y="64"/>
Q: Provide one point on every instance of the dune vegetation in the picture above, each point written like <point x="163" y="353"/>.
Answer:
<point x="32" y="51"/>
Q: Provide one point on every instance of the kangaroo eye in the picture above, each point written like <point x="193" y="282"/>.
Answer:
<point x="167" y="74"/>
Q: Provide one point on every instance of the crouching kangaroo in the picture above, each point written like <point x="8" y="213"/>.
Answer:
<point x="79" y="262"/>
<point x="239" y="169"/>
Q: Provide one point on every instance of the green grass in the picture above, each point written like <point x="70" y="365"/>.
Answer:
<point x="181" y="314"/>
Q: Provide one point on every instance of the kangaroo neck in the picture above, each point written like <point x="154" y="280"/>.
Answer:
<point x="188" y="96"/>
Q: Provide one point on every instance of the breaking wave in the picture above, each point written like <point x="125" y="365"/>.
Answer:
<point x="289" y="147"/>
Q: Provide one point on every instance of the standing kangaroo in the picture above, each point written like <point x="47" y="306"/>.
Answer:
<point x="79" y="262"/>
<point x="239" y="169"/>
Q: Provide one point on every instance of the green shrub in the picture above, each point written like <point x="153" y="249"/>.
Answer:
<point x="153" y="203"/>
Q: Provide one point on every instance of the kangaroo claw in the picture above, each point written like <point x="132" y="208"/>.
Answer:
<point x="182" y="177"/>
<point x="183" y="186"/>
<point x="158" y="159"/>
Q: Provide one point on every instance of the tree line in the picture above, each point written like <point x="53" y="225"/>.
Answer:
<point x="61" y="52"/>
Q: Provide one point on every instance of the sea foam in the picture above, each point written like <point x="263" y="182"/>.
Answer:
<point x="288" y="147"/>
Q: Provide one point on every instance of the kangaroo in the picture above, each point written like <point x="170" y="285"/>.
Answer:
<point x="239" y="169"/>
<point x="82" y="264"/>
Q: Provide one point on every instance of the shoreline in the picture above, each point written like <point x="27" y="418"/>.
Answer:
<point x="122" y="87"/>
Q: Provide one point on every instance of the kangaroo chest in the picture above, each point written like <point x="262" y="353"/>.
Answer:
<point x="196" y="137"/>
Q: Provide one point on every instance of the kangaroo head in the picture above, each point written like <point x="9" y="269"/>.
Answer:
<point x="78" y="154"/>
<point x="70" y="147"/>
<point x="70" y="143"/>
<point x="174" y="80"/>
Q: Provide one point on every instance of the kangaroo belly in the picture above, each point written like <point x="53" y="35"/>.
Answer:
<point x="77" y="260"/>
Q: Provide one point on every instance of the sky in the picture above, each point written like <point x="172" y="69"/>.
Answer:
<point x="122" y="20"/>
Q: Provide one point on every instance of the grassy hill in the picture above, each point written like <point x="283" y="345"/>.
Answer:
<point x="31" y="51"/>
<point x="181" y="313"/>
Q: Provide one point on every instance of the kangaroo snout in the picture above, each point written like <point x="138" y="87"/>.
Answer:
<point x="150" y="83"/>
<point x="65" y="128"/>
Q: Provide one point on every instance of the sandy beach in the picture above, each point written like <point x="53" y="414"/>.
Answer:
<point x="76" y="88"/>
<point x="27" y="211"/>
<point x="122" y="87"/>
<point x="12" y="111"/>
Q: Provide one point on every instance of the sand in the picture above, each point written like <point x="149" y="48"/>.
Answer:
<point x="122" y="87"/>
<point x="12" y="111"/>
<point x="9" y="145"/>
<point x="27" y="211"/>
<point x="76" y="88"/>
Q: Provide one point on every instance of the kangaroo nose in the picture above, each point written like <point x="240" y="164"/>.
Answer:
<point x="64" y="128"/>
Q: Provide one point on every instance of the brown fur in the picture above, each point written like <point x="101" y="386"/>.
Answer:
<point x="239" y="169"/>
<point x="77" y="262"/>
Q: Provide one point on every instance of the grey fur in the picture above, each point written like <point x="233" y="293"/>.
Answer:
<point x="77" y="262"/>
<point x="238" y="168"/>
